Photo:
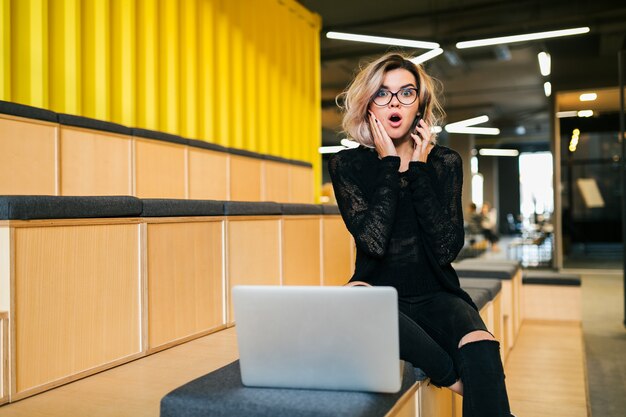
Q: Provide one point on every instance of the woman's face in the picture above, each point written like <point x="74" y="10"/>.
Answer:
<point x="396" y="117"/>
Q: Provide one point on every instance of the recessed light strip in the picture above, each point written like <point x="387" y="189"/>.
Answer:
<point x="381" y="40"/>
<point x="473" y="130"/>
<point x="426" y="56"/>
<point x="498" y="152"/>
<point x="544" y="63"/>
<point x="522" y="38"/>
<point x="469" y="122"/>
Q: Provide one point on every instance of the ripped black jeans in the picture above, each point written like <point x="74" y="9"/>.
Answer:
<point x="431" y="327"/>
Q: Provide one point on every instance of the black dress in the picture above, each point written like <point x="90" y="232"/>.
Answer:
<point x="408" y="228"/>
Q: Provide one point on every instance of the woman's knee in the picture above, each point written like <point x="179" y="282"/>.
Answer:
<point x="475" y="336"/>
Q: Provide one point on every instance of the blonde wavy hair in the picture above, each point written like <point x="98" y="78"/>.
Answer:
<point x="357" y="97"/>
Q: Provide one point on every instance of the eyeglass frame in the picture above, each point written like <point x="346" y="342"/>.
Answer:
<point x="396" y="96"/>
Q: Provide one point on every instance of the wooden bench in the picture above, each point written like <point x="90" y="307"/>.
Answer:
<point x="510" y="274"/>
<point x="552" y="295"/>
<point x="46" y="153"/>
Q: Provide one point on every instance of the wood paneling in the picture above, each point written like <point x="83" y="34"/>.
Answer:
<point x="301" y="250"/>
<point x="301" y="185"/>
<point x="95" y="163"/>
<point x="552" y="302"/>
<point x="185" y="282"/>
<point x="77" y="300"/>
<point x="246" y="178"/>
<point x="254" y="253"/>
<point x="208" y="175"/>
<point x="28" y="157"/>
<point x="545" y="373"/>
<point x="435" y="402"/>
<point x="160" y="170"/>
<point x="4" y="357"/>
<point x="338" y="262"/>
<point x="276" y="185"/>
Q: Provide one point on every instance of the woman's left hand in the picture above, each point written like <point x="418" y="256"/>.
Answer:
<point x="422" y="146"/>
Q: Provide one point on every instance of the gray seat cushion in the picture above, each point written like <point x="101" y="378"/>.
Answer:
<point x="330" y="209"/>
<point x="166" y="207"/>
<point x="30" y="207"/>
<point x="494" y="286"/>
<point x="251" y="208"/>
<point x="22" y="110"/>
<point x="221" y="394"/>
<point x="550" y="278"/>
<point x="295" y="209"/>
<point x="485" y="271"/>
<point x="479" y="296"/>
<point x="94" y="124"/>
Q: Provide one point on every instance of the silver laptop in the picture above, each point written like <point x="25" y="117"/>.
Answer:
<point x="336" y="338"/>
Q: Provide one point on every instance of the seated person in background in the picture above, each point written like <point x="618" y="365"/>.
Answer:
<point x="488" y="225"/>
<point x="473" y="225"/>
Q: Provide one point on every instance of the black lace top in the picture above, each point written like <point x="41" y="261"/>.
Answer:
<point x="408" y="227"/>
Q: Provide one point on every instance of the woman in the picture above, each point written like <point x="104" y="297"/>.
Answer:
<point x="400" y="196"/>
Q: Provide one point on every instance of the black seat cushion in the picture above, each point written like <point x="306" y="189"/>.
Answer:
<point x="485" y="271"/>
<point x="251" y="208"/>
<point x="295" y="209"/>
<point x="551" y="278"/>
<point x="22" y="110"/>
<point x="221" y="394"/>
<point x="30" y="207"/>
<point x="167" y="207"/>
<point x="494" y="286"/>
<point x="479" y="297"/>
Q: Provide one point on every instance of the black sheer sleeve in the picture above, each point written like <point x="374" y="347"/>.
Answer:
<point x="368" y="211"/>
<point x="436" y="191"/>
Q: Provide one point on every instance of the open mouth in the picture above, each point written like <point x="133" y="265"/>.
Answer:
<point x="394" y="118"/>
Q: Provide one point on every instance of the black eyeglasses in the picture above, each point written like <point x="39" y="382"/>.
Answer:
<point x="405" y="96"/>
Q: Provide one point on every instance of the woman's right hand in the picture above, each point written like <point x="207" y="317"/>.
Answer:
<point x="357" y="284"/>
<point x="383" y="143"/>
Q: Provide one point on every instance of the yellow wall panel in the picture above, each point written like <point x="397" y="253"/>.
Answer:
<point x="123" y="62"/>
<point x="236" y="87"/>
<point x="5" y="50"/>
<point x="262" y="86"/>
<point x="169" y="62"/>
<point x="223" y="97"/>
<point x="250" y="119"/>
<point x="64" y="23"/>
<point x="207" y="100"/>
<point x="147" y="65"/>
<point x="188" y="69"/>
<point x="240" y="74"/>
<point x="96" y="59"/>
<point x="29" y="52"/>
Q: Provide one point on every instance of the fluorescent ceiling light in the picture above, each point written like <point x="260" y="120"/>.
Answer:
<point x="467" y="126"/>
<point x="498" y="152"/>
<point x="436" y="129"/>
<point x="473" y="130"/>
<point x="330" y="149"/>
<point x="349" y="143"/>
<point x="547" y="88"/>
<point x="382" y="40"/>
<point x="585" y="113"/>
<point x="469" y="122"/>
<point x="522" y="38"/>
<point x="588" y="97"/>
<point x="562" y="114"/>
<point x="426" y="56"/>
<point x="544" y="63"/>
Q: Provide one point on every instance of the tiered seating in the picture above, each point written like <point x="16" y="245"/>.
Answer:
<point x="137" y="276"/>
<point x="45" y="153"/>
